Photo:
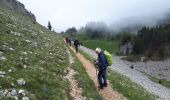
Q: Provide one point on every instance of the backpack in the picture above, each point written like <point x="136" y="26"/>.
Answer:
<point x="108" y="57"/>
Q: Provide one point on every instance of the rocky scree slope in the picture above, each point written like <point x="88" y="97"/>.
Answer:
<point x="17" y="6"/>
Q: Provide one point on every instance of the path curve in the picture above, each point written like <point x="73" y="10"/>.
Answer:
<point x="121" y="67"/>
<point x="107" y="93"/>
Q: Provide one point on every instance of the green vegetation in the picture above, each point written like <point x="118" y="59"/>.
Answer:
<point x="154" y="41"/>
<point x="84" y="81"/>
<point x="109" y="45"/>
<point x="128" y="88"/>
<point x="125" y="86"/>
<point x="34" y="53"/>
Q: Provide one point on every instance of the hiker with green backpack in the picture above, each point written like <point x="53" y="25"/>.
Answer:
<point x="104" y="59"/>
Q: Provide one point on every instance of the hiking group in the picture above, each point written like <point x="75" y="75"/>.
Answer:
<point x="76" y="43"/>
<point x="104" y="59"/>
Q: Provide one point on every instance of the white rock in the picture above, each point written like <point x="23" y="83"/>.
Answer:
<point x="2" y="76"/>
<point x="25" y="53"/>
<point x="6" y="92"/>
<point x="50" y="53"/>
<point x="2" y="73"/>
<point x="1" y="93"/>
<point x="21" y="82"/>
<point x="13" y="92"/>
<point x="21" y="91"/>
<point x="25" y="66"/>
<point x="20" y="58"/>
<point x="25" y="98"/>
<point x="23" y="94"/>
<point x="15" y="97"/>
<point x="11" y="49"/>
<point x="142" y="59"/>
<point x="28" y="41"/>
<point x="10" y="70"/>
<point x="12" y="84"/>
<point x="4" y="46"/>
<point x="3" y="58"/>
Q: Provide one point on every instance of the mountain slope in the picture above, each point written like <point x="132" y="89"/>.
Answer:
<point x="32" y="59"/>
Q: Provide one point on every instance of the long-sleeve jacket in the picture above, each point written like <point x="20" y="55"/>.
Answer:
<point x="102" y="62"/>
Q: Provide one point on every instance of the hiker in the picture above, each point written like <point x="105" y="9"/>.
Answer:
<point x="76" y="44"/>
<point x="66" y="39"/>
<point x="69" y="41"/>
<point x="102" y="66"/>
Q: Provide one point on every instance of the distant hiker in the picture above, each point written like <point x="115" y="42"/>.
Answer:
<point x="69" y="41"/>
<point x="102" y="65"/>
<point x="76" y="44"/>
<point x="66" y="39"/>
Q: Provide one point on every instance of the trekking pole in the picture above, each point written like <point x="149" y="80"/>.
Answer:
<point x="96" y="67"/>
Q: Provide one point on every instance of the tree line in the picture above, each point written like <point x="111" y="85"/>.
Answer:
<point x="152" y="40"/>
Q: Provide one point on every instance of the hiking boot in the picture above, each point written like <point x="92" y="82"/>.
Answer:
<point x="100" y="87"/>
<point x="105" y="85"/>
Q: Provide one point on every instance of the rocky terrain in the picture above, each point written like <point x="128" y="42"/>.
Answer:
<point x="17" y="6"/>
<point x="158" y="69"/>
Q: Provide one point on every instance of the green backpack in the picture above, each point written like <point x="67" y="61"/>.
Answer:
<point x="108" y="57"/>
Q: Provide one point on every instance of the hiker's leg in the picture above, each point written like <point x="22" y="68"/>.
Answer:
<point x="104" y="78"/>
<point x="100" y="79"/>
<point x="76" y="49"/>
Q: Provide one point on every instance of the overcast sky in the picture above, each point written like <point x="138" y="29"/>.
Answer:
<point x="68" y="13"/>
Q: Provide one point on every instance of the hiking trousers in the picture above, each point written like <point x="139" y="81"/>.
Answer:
<point x="76" y="49"/>
<point x="102" y="77"/>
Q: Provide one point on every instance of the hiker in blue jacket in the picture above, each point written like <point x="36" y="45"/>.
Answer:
<point x="102" y="65"/>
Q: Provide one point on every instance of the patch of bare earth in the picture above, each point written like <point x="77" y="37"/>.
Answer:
<point x="107" y="93"/>
<point x="75" y="91"/>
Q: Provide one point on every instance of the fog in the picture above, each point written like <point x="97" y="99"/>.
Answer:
<point x="115" y="13"/>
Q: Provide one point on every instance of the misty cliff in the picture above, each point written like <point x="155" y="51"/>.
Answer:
<point x="17" y="6"/>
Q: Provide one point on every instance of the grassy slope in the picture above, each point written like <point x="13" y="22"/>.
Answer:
<point x="111" y="46"/>
<point x="84" y="81"/>
<point x="125" y="86"/>
<point x="41" y="51"/>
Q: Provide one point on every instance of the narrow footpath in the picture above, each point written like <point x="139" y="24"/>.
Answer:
<point x="107" y="93"/>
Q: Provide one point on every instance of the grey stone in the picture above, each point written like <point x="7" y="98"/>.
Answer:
<point x="25" y="66"/>
<point x="21" y="82"/>
<point x="142" y="59"/>
<point x="2" y="76"/>
<point x="25" y="53"/>
<point x="13" y="92"/>
<point x="12" y="84"/>
<point x="2" y="93"/>
<point x="15" y="97"/>
<point x="3" y="58"/>
<point x="25" y="98"/>
<point x="6" y="92"/>
<point x="21" y="91"/>
<point x="10" y="70"/>
<point x="2" y="73"/>
<point x="11" y="49"/>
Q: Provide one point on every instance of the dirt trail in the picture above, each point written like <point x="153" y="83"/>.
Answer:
<point x="75" y="91"/>
<point x="107" y="93"/>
